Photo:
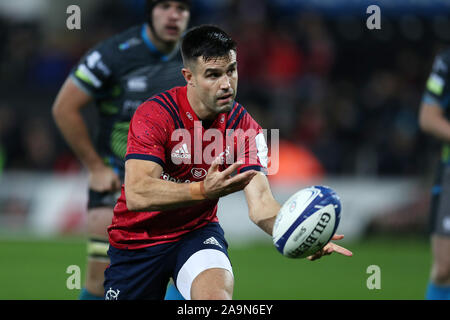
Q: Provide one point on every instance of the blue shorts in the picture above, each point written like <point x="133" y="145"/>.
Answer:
<point x="440" y="203"/>
<point x="145" y="273"/>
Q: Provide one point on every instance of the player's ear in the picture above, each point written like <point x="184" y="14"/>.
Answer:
<point x="188" y="76"/>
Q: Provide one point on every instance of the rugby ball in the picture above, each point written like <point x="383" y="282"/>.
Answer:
<point x="307" y="221"/>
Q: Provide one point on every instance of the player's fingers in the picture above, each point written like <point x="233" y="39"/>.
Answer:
<point x="228" y="171"/>
<point x="238" y="186"/>
<point x="338" y="237"/>
<point x="341" y="250"/>
<point x="315" y="256"/>
<point x="215" y="165"/>
<point x="242" y="178"/>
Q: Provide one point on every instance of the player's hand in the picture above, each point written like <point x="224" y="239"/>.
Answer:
<point x="220" y="183"/>
<point x="103" y="179"/>
<point x="331" y="247"/>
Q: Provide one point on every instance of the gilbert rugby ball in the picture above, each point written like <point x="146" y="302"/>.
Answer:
<point x="307" y="221"/>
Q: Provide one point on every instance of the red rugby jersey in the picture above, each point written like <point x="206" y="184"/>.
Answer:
<point x="166" y="130"/>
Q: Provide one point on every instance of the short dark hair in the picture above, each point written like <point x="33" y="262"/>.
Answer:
<point x="207" y="41"/>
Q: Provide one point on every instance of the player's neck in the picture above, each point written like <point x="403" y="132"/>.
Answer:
<point x="162" y="46"/>
<point x="202" y="112"/>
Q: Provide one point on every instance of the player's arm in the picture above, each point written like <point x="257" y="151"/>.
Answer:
<point x="67" y="115"/>
<point x="145" y="191"/>
<point x="262" y="206"/>
<point x="432" y="120"/>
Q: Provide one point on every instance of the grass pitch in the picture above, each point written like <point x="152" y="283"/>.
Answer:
<point x="36" y="269"/>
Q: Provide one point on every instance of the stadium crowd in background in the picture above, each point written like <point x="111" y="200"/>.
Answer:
<point x="348" y="96"/>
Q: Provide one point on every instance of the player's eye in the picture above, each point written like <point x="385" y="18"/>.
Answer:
<point x="213" y="75"/>
<point x="231" y="71"/>
<point x="181" y="7"/>
<point x="165" y="5"/>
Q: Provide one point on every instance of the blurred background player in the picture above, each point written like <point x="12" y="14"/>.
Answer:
<point x="434" y="120"/>
<point x="118" y="75"/>
<point x="164" y="227"/>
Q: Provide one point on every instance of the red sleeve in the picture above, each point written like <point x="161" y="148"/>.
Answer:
<point x="149" y="133"/>
<point x="251" y="147"/>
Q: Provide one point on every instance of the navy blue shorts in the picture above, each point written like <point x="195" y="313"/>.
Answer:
<point x="145" y="273"/>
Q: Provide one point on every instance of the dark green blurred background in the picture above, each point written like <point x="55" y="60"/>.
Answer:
<point x="37" y="270"/>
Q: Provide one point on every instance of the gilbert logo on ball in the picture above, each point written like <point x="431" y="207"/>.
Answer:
<point x="307" y="221"/>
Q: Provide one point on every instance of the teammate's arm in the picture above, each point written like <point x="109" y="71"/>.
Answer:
<point x="432" y="120"/>
<point x="145" y="191"/>
<point x="67" y="114"/>
<point x="432" y="115"/>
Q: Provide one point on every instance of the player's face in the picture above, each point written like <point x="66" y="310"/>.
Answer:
<point x="216" y="82"/>
<point x="170" y="20"/>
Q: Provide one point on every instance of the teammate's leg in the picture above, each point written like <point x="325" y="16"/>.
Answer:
<point x="439" y="286"/>
<point x="97" y="260"/>
<point x="172" y="292"/>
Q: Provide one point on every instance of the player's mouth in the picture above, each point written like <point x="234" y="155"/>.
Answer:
<point x="172" y="30"/>
<point x="225" y="98"/>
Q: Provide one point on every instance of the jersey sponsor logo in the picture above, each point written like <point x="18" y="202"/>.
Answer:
<point x="212" y="241"/>
<point x="94" y="60"/>
<point x="137" y="84"/>
<point x="181" y="153"/>
<point x="83" y="73"/>
<point x="198" y="173"/>
<point x="112" y="294"/>
<point x="439" y="65"/>
<point x="130" y="106"/>
<point x="435" y="84"/>
<point x="168" y="177"/>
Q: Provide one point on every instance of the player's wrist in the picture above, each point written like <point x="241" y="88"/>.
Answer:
<point x="96" y="165"/>
<point x="197" y="190"/>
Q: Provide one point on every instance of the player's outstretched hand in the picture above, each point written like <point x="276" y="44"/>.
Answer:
<point x="103" y="179"/>
<point x="220" y="183"/>
<point x="331" y="247"/>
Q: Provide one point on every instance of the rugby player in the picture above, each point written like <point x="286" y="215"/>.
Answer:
<point x="434" y="120"/>
<point x="118" y="75"/>
<point x="165" y="222"/>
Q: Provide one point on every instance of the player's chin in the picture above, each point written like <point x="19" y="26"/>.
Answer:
<point x="224" y="107"/>
<point x="172" y="37"/>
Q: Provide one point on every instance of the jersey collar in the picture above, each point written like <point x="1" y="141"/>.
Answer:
<point x="148" y="42"/>
<point x="189" y="116"/>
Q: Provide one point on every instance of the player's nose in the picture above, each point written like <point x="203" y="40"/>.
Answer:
<point x="175" y="13"/>
<point x="225" y="83"/>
